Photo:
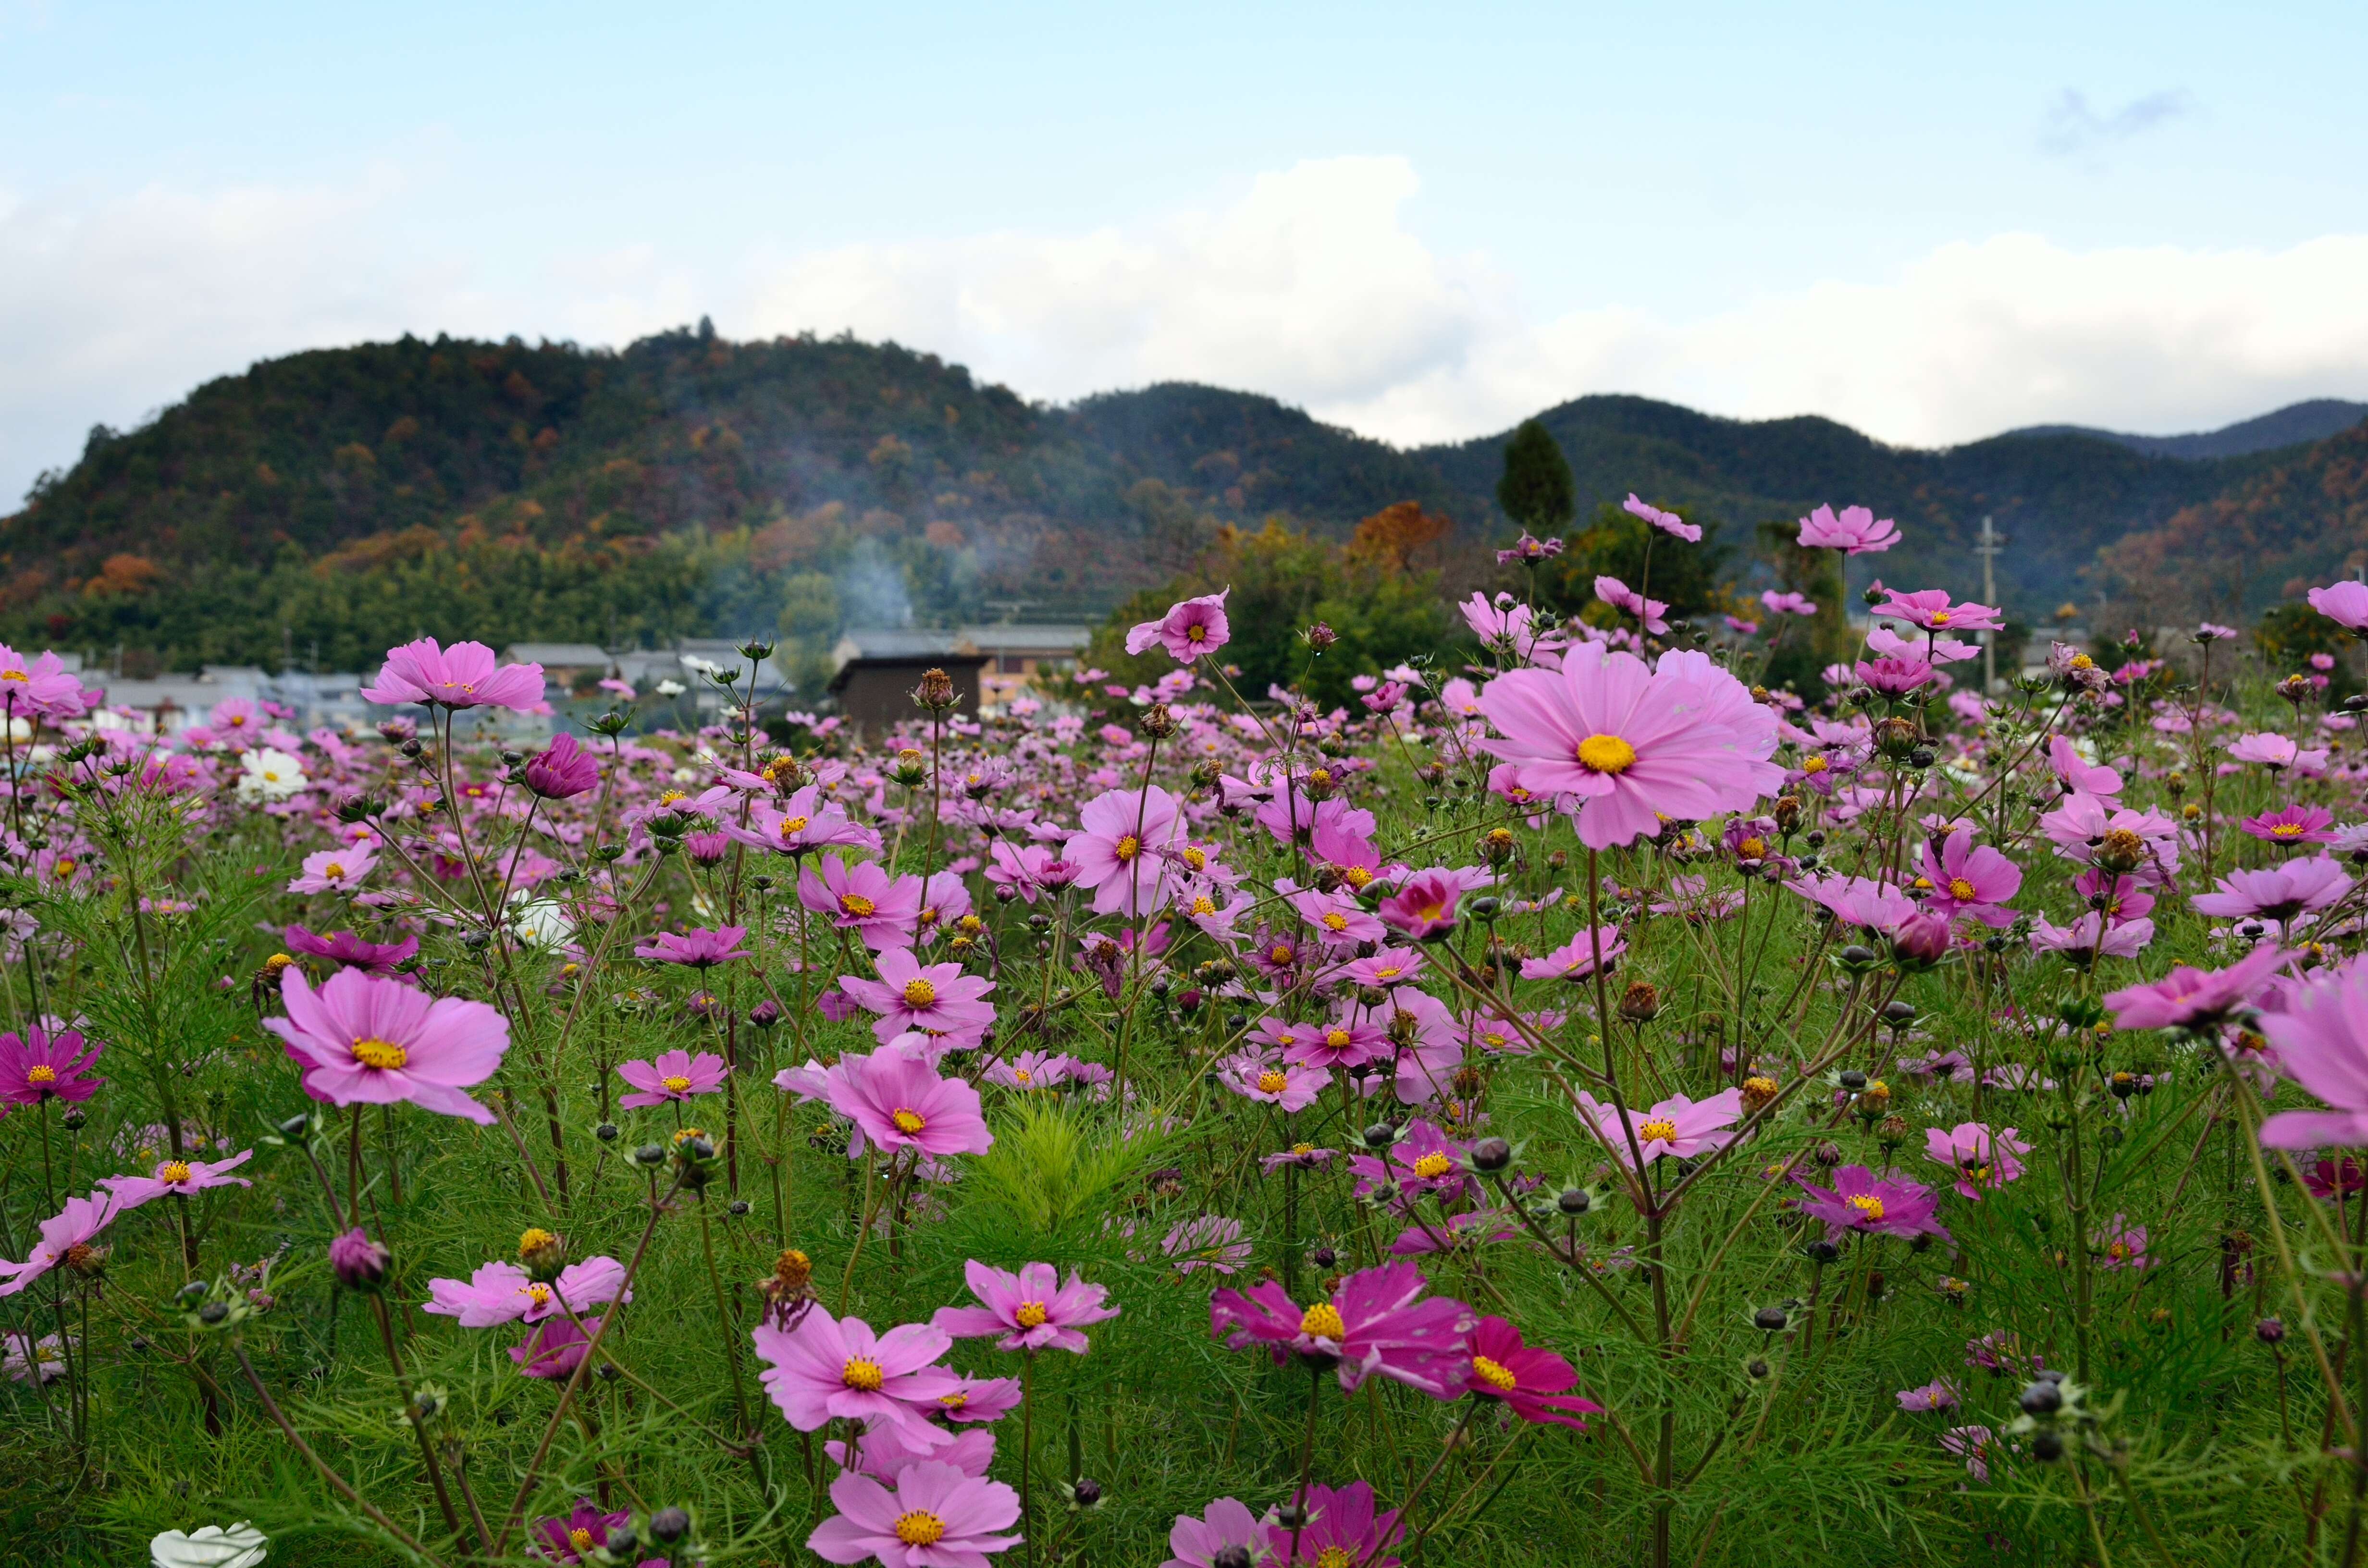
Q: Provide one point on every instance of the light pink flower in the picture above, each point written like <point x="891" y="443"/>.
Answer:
<point x="2091" y="934"/>
<point x="1787" y="604"/>
<point x="2195" y="998"/>
<point x="803" y="822"/>
<point x="2278" y="893"/>
<point x="830" y="1368"/>
<point x="1855" y="530"/>
<point x="674" y="1076"/>
<point x="42" y="689"/>
<point x="363" y="1040"/>
<point x="1931" y="609"/>
<point x="1032" y="1309"/>
<point x="1577" y="958"/>
<point x="1190" y="629"/>
<point x="1208" y="1241"/>
<point x="1980" y="1158"/>
<point x="910" y="995"/>
<point x="334" y="870"/>
<point x="76" y="1225"/>
<point x="1628" y="601"/>
<point x="858" y="896"/>
<point x="1117" y="850"/>
<point x="1677" y="1127"/>
<point x="2322" y="1042"/>
<point x="2344" y="602"/>
<point x="504" y="1292"/>
<point x="463" y="676"/>
<point x="936" y="1516"/>
<point x="181" y="1176"/>
<point x="901" y="1103"/>
<point x="1668" y="522"/>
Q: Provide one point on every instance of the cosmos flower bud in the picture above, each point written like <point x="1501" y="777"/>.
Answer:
<point x="935" y="691"/>
<point x="765" y="1013"/>
<point x="1491" y="1155"/>
<point x="1158" y="721"/>
<point x="1757" y="1093"/>
<point x="668" y="1526"/>
<point x="1320" y="637"/>
<point x="2270" y="1331"/>
<point x="1642" y="1004"/>
<point x="542" y="1254"/>
<point x="1769" y="1320"/>
<point x="358" y="1262"/>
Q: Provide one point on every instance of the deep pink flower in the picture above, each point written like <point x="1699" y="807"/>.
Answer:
<point x="563" y="769"/>
<point x="38" y="1066"/>
<point x="1422" y="1160"/>
<point x="554" y="1347"/>
<point x="181" y="1176"/>
<point x="1859" y="900"/>
<point x="2293" y="825"/>
<point x="1980" y="1158"/>
<point x="1668" y="522"/>
<point x="1196" y="1543"/>
<point x="2195" y="998"/>
<point x="696" y="949"/>
<point x="2322" y="1040"/>
<point x="1532" y="1383"/>
<point x="1341" y="1528"/>
<point x="75" y="1225"/>
<point x="346" y="949"/>
<point x="827" y="1368"/>
<point x="2278" y="893"/>
<point x="1032" y="1309"/>
<point x="910" y="995"/>
<point x="365" y="1041"/>
<point x="1633" y="745"/>
<point x="1931" y="609"/>
<point x="504" y="1292"/>
<point x="1375" y="1323"/>
<point x="1935" y="1395"/>
<point x="1292" y="1087"/>
<point x="1855" y="530"/>
<point x="2077" y="771"/>
<point x="1190" y="629"/>
<point x="805" y="821"/>
<point x="674" y="1076"/>
<point x="1860" y="1201"/>
<point x="1424" y="906"/>
<point x="901" y="1103"/>
<point x="1895" y="677"/>
<point x="463" y="676"/>
<point x="1676" y="1127"/>
<point x="2344" y="602"/>
<point x="858" y="896"/>
<point x="935" y="1517"/>
<point x="580" y="1530"/>
<point x="1328" y="1046"/>
<point x="1970" y="881"/>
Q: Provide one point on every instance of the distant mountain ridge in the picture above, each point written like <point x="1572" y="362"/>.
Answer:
<point x="2292" y="425"/>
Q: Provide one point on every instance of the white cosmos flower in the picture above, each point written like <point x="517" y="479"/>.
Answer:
<point x="671" y="689"/>
<point x="209" y="1546"/>
<point x="269" y="775"/>
<point x="540" y="922"/>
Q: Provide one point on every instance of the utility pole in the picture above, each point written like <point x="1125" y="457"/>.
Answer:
<point x="1992" y="543"/>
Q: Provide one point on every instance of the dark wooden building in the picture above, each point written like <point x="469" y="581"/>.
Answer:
<point x="878" y="671"/>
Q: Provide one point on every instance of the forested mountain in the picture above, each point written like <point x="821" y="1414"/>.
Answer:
<point x="331" y="501"/>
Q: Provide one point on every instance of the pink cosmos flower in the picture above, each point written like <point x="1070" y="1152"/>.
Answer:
<point x="2322" y="1038"/>
<point x="27" y="1357"/>
<point x="42" y="689"/>
<point x="1577" y="958"/>
<point x="1423" y="1161"/>
<point x="1328" y="1046"/>
<point x="1341" y="1528"/>
<point x="1227" y="1523"/>
<point x="463" y="676"/>
<point x="1681" y="740"/>
<point x="2195" y="998"/>
<point x="881" y="1453"/>
<point x="2344" y="602"/>
<point x="695" y="948"/>
<point x="1932" y="611"/>
<point x="803" y="822"/>
<point x="582" y="1529"/>
<point x="1855" y="530"/>
<point x="826" y="1368"/>
<point x="1668" y="522"/>
<point x="1375" y="1323"/>
<point x="1969" y="880"/>
<point x="1289" y="1086"/>
<point x="1934" y="1395"/>
<point x="1981" y="1159"/>
<point x="2280" y="892"/>
<point x="1532" y="1382"/>
<point x="1860" y="1201"/>
<point x="1032" y="1309"/>
<point x="504" y="1292"/>
<point x="1424" y="1238"/>
<point x="73" y="1226"/>
<point x="2121" y="1244"/>
<point x="910" y="995"/>
<point x="554" y="1347"/>
<point x="365" y="1041"/>
<point x="1787" y="604"/>
<point x="1974" y="1445"/>
<point x="39" y="1065"/>
<point x="1859" y="900"/>
<point x="901" y="1103"/>
<point x="2277" y="752"/>
<point x="674" y="1076"/>
<point x="2292" y="826"/>
<point x="2084" y="825"/>
<point x="1117" y="849"/>
<point x="1029" y="1069"/>
<point x="1190" y="629"/>
<point x="935" y="1517"/>
<point x="858" y="896"/>
<point x="563" y="769"/>
<point x="2065" y="759"/>
<point x="1677" y="1127"/>
<point x="181" y="1176"/>
<point x="1424" y="906"/>
<point x="2091" y="936"/>
<point x="334" y="870"/>
<point x="1388" y="966"/>
<point x="1338" y="919"/>
<point x="1628" y="601"/>
<point x="349" y="951"/>
<point x="1895" y="677"/>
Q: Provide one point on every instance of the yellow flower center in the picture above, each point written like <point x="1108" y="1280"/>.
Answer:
<point x="953" y="1401"/>
<point x="1279" y="953"/>
<point x="1335" y="921"/>
<point x="1272" y="1082"/>
<point x="1495" y="1374"/>
<point x="382" y="1054"/>
<point x="172" y="1171"/>
<point x="856" y="904"/>
<point x="792" y="826"/>
<point x="1431" y="1167"/>
<point x="670" y="796"/>
<point x="15" y="675"/>
<point x="1127" y="847"/>
<point x="534" y="1239"/>
<point x="537" y="1293"/>
<point x="65" y="867"/>
<point x="1752" y="848"/>
<point x="42" y="1073"/>
<point x="2082" y="661"/>
<point x="919" y="994"/>
<point x="861" y="1373"/>
<point x="2286" y="830"/>
<point x="908" y="1123"/>
<point x="1337" y="1038"/>
<point x="1023" y="1074"/>
<point x="676" y="1084"/>
<point x="1869" y="1204"/>
<point x="1336" y="1557"/>
<point x="333" y="870"/>
<point x="1959" y="888"/>
<point x="1196" y="632"/>
<point x="580" y="1539"/>
<point x="1660" y="1129"/>
<point x="1813" y="765"/>
<point x="1196" y="857"/>
<point x="1302" y="1147"/>
<point x="1392" y="973"/>
<point x="1204" y="905"/>
<point x="1606" y="753"/>
<point x="1032" y="1314"/>
<point x="919" y="1528"/>
<point x="1323" y="1321"/>
<point x="1356" y="876"/>
<point x="1939" y="617"/>
<point x="2117" y="1251"/>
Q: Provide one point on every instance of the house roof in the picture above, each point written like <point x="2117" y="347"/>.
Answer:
<point x="1027" y="637"/>
<point x="899" y="643"/>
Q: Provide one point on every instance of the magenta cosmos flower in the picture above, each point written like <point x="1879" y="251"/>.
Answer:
<point x="805" y="821"/>
<point x="1292" y="1087"/>
<point x="1422" y="1160"/>
<point x="2292" y="826"/>
<point x="1633" y="745"/>
<point x="463" y="675"/>
<point x="504" y="1292"/>
<point x="72" y="1227"/>
<point x="1668" y="522"/>
<point x="674" y="1076"/>
<point x="183" y="1177"/>
<point x="901" y="1103"/>
<point x="935" y="1517"/>
<point x="584" y="1527"/>
<point x="2346" y="604"/>
<point x="1228" y="1523"/>
<point x="1342" y="1531"/>
<point x="42" y="689"/>
<point x="1119" y="849"/>
<point x="1375" y="1324"/>
<point x="1677" y="1127"/>
<point x="696" y="949"/>
<point x="1190" y="629"/>
<point x="858" y="896"/>
<point x="365" y="1041"/>
<point x="346" y="949"/>
<point x="1860" y="1201"/>
<point x="1895" y="676"/>
<point x="1424" y="906"/>
<point x="909" y="995"/>
<point x="1970" y="881"/>
<point x="1854" y="530"/>
<point x="562" y="770"/>
<point x="38" y="1066"/>
<point x="1533" y="1383"/>
<point x="1982" y="1159"/>
<point x="2280" y="892"/>
<point x="2121" y="1244"/>
<point x="2322" y="1040"/>
<point x="554" y="1347"/>
<point x="1931" y="610"/>
<point x="830" y="1368"/>
<point x="2195" y="998"/>
<point x="1032" y="1309"/>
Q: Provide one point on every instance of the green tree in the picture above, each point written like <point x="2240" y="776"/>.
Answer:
<point x="1536" y="491"/>
<point x="1686" y="577"/>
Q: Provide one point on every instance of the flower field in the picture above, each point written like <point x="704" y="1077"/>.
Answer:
<point x="1572" y="1105"/>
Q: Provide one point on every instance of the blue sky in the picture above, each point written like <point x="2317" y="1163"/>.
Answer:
<point x="1422" y="222"/>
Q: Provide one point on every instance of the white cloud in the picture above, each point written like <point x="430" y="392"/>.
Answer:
<point x="1308" y="284"/>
